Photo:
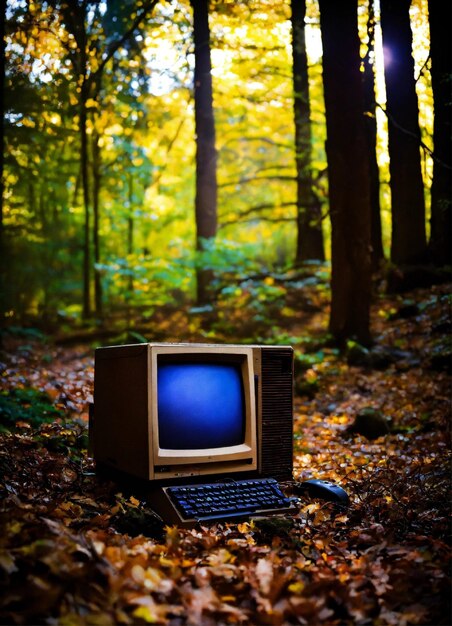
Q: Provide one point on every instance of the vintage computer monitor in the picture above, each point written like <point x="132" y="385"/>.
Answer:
<point x="169" y="413"/>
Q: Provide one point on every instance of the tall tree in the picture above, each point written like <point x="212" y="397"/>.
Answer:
<point x="2" y="146"/>
<point x="377" y="254"/>
<point x="206" y="155"/>
<point x="408" y="242"/>
<point x="348" y="172"/>
<point x="38" y="136"/>
<point x="309" y="224"/>
<point x="440" y="20"/>
<point x="97" y="182"/>
<point x="89" y="25"/>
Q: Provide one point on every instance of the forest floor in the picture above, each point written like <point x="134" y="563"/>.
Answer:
<point x="75" y="550"/>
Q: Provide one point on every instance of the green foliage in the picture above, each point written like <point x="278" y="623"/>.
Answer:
<point x="356" y="353"/>
<point x="306" y="361"/>
<point x="135" y="519"/>
<point x="30" y="405"/>
<point x="145" y="281"/>
<point x="227" y="258"/>
<point x="306" y="380"/>
<point x="71" y="439"/>
<point x="140" y="125"/>
<point x="137" y="336"/>
<point x="31" y="334"/>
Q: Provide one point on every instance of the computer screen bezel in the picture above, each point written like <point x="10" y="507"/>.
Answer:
<point x="245" y="454"/>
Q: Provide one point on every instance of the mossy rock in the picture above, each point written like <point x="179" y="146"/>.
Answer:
<point x="371" y="423"/>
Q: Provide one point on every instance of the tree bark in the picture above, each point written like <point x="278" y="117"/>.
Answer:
<point x="2" y="162"/>
<point x="408" y="241"/>
<point x="440" y="19"/>
<point x="96" y="169"/>
<point x="206" y="156"/>
<point x="348" y="173"/>
<point x="309" y="219"/>
<point x="130" y="228"/>
<point x="84" y="166"/>
<point x="377" y="254"/>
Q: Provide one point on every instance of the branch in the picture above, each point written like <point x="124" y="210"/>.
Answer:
<point x="411" y="134"/>
<point x="263" y="207"/>
<point x="274" y="220"/>
<point x="315" y="177"/>
<point x="258" y="138"/>
<point x="168" y="150"/>
<point x="251" y="179"/>
<point x="421" y="71"/>
<point x="258" y="208"/>
<point x="115" y="45"/>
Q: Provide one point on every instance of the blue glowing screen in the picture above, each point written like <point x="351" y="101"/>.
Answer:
<point x="200" y="405"/>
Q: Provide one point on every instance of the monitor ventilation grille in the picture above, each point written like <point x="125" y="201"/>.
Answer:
<point x="277" y="413"/>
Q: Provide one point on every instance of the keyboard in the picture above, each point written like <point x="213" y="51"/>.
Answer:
<point x="229" y="500"/>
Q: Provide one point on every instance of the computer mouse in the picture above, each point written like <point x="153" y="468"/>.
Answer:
<point x="324" y="489"/>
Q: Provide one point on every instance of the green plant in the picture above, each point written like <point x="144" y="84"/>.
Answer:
<point x="26" y="405"/>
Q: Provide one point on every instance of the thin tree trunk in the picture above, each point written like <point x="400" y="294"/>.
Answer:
<point x="96" y="166"/>
<point x="408" y="242"/>
<point x="74" y="14"/>
<point x="377" y="254"/>
<point x="440" y="18"/>
<point x="130" y="228"/>
<point x="2" y="163"/>
<point x="206" y="156"/>
<point x="85" y="188"/>
<point x="309" y="224"/>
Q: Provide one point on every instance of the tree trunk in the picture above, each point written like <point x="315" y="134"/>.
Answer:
<point x="85" y="187"/>
<point x="348" y="173"/>
<point x="96" y="167"/>
<point x="440" y="18"/>
<point x="377" y="254"/>
<point x="74" y="14"/>
<point x="2" y="162"/>
<point x="408" y="244"/>
<point x="309" y="224"/>
<point x="206" y="156"/>
<point x="130" y="229"/>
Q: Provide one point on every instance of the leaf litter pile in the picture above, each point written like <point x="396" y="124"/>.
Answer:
<point x="76" y="550"/>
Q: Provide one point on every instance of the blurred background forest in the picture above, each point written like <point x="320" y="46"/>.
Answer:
<point x="174" y="155"/>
